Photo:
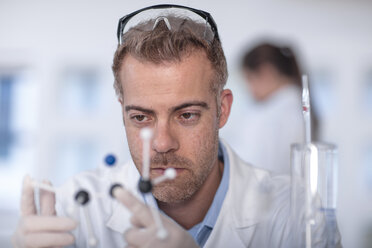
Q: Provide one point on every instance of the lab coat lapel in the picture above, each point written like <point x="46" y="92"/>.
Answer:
<point x="248" y="191"/>
<point x="243" y="206"/>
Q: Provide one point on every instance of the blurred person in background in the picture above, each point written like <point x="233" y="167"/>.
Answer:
<point x="273" y="76"/>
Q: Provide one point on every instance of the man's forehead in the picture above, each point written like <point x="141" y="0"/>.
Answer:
<point x="188" y="77"/>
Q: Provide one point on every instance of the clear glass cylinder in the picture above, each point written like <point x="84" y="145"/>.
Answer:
<point x="314" y="185"/>
<point x="324" y="176"/>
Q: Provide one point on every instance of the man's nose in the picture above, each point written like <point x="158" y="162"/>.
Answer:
<point x="164" y="139"/>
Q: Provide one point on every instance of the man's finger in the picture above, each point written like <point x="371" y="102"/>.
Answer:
<point x="49" y="239"/>
<point x="136" y="207"/>
<point x="33" y="224"/>
<point x="27" y="199"/>
<point x="47" y="201"/>
<point x="139" y="237"/>
<point x="136" y="222"/>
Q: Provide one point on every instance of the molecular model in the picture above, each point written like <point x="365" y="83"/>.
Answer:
<point x="145" y="186"/>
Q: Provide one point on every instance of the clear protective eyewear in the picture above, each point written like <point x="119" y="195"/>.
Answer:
<point x="159" y="12"/>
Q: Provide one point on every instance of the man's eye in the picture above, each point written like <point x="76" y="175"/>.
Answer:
<point x="139" y="118"/>
<point x="187" y="116"/>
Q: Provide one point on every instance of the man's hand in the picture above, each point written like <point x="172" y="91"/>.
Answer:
<point x="44" y="230"/>
<point x="144" y="230"/>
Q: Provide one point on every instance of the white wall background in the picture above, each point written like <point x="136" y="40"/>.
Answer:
<point x="42" y="38"/>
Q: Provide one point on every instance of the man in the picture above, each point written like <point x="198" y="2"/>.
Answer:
<point x="169" y="76"/>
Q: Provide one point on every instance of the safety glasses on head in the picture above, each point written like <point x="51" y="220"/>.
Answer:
<point x="159" y="13"/>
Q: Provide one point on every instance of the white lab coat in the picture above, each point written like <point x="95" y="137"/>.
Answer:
<point x="263" y="135"/>
<point x="255" y="212"/>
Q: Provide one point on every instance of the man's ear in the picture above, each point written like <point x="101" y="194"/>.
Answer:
<point x="226" y="103"/>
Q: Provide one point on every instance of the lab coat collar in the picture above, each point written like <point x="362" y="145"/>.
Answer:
<point x="254" y="199"/>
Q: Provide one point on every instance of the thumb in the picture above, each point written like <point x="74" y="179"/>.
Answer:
<point x="47" y="201"/>
<point x="27" y="199"/>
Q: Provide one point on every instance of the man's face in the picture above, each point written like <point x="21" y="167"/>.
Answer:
<point x="175" y="101"/>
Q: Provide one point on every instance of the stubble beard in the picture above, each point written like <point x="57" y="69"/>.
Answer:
<point x="192" y="178"/>
<point x="183" y="187"/>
